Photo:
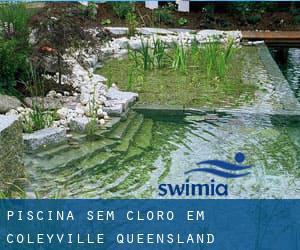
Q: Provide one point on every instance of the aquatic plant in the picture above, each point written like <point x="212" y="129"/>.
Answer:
<point x="216" y="58"/>
<point x="159" y="53"/>
<point x="146" y="56"/>
<point x="194" y="52"/>
<point x="180" y="57"/>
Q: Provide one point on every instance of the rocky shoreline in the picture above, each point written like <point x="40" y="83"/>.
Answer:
<point x="91" y="90"/>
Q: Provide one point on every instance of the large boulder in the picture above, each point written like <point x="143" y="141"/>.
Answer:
<point x="8" y="102"/>
<point x="44" y="137"/>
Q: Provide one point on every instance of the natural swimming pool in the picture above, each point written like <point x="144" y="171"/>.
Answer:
<point x="138" y="154"/>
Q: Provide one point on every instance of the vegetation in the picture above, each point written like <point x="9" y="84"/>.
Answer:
<point x="131" y="21"/>
<point x="92" y="126"/>
<point x="164" y="14"/>
<point x="122" y="9"/>
<point x="182" y="21"/>
<point x="14" y="45"/>
<point x="193" y="76"/>
<point x="39" y="117"/>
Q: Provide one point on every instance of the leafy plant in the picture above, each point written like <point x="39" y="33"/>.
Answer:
<point x="131" y="20"/>
<point x="182" y="21"/>
<point x="106" y="22"/>
<point x="122" y="9"/>
<point x="164" y="15"/>
<point x="254" y="19"/>
<point x="39" y="117"/>
<point x="14" y="45"/>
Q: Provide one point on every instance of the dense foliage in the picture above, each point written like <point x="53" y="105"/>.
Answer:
<point x="14" y="45"/>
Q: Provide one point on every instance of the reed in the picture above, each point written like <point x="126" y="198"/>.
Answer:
<point x="180" y="57"/>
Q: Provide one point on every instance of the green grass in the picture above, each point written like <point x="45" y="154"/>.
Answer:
<point x="194" y="86"/>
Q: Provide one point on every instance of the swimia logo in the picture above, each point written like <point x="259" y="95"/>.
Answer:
<point x="215" y="167"/>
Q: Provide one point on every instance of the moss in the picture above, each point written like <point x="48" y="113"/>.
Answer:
<point x="193" y="88"/>
<point x="11" y="159"/>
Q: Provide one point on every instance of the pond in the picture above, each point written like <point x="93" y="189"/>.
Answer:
<point x="144" y="151"/>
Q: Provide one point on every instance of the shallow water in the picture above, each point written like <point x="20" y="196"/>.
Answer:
<point x="156" y="150"/>
<point x="288" y="60"/>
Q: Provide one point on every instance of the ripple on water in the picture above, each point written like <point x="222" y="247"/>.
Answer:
<point x="176" y="146"/>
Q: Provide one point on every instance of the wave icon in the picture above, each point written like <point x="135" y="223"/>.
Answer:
<point x="223" y="167"/>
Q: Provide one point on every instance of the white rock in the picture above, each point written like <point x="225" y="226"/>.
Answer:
<point x="62" y="113"/>
<point x="100" y="113"/>
<point x="79" y="111"/>
<point x="102" y="121"/>
<point x="20" y="109"/>
<point x="51" y="93"/>
<point x="12" y="112"/>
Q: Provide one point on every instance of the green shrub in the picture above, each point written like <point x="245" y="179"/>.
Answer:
<point x="13" y="64"/>
<point x="182" y="21"/>
<point x="106" y="22"/>
<point x="132" y="23"/>
<point x="164" y="15"/>
<point x="254" y="19"/>
<point x="14" y="45"/>
<point x="122" y="9"/>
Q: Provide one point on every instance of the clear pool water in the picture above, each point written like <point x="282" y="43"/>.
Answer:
<point x="142" y="152"/>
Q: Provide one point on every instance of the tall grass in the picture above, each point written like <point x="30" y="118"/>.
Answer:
<point x="159" y="53"/>
<point x="39" y="117"/>
<point x="216" y="58"/>
<point x="180" y="57"/>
